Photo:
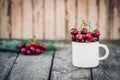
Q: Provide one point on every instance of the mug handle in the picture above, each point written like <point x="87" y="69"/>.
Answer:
<point x="106" y="50"/>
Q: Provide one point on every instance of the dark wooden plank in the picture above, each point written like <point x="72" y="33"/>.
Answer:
<point x="34" y="67"/>
<point x="6" y="62"/>
<point x="108" y="69"/>
<point x="64" y="70"/>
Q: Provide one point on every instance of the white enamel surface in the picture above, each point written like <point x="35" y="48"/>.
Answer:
<point x="86" y="55"/>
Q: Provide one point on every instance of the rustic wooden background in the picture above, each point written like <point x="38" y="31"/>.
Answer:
<point x="52" y="19"/>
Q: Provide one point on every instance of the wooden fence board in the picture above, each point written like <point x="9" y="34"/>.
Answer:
<point x="71" y="15"/>
<point x="49" y="19"/>
<point x="116" y="25"/>
<point x="6" y="62"/>
<point x="92" y="13"/>
<point x="38" y="19"/>
<point x="60" y="19"/>
<point x="5" y="19"/>
<point x="34" y="67"/>
<point x="16" y="18"/>
<point x="63" y="68"/>
<point x="81" y="11"/>
<point x="103" y="20"/>
<point x="27" y="19"/>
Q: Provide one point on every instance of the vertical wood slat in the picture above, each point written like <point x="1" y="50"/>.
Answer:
<point x="27" y="19"/>
<point x="92" y="13"/>
<point x="103" y="19"/>
<point x="49" y="19"/>
<point x="0" y="17"/>
<point x="16" y="18"/>
<point x="71" y="14"/>
<point x="5" y="19"/>
<point x="38" y="19"/>
<point x="60" y="19"/>
<point x="116" y="25"/>
<point x="81" y="11"/>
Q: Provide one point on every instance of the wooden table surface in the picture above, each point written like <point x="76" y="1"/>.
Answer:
<point x="57" y="65"/>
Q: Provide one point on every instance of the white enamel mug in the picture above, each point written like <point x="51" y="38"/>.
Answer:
<point x="86" y="55"/>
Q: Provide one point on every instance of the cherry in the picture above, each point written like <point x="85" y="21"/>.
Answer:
<point x="79" y="37"/>
<point x="28" y="52"/>
<point x="28" y="45"/>
<point x="89" y="36"/>
<point x="35" y="44"/>
<point x="38" y="51"/>
<point x="20" y="46"/>
<point x="73" y="38"/>
<point x="23" y="50"/>
<point x="32" y="49"/>
<point x="96" y="33"/>
<point x="42" y="47"/>
<point x="84" y="31"/>
<point x="74" y="31"/>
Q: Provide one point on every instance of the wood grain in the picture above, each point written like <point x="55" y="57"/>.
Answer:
<point x="92" y="13"/>
<point x="27" y="19"/>
<point x="6" y="62"/>
<point x="49" y="19"/>
<point x="81" y="11"/>
<point x="109" y="68"/>
<point x="63" y="68"/>
<point x="5" y="19"/>
<point x="71" y="15"/>
<point x="116" y="25"/>
<point x="60" y="19"/>
<point x="32" y="67"/>
<point x="38" y="19"/>
<point x="103" y="20"/>
<point x="16" y="18"/>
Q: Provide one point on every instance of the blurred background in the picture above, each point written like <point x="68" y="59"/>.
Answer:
<point x="53" y="19"/>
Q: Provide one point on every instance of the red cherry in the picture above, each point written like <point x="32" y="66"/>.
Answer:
<point x="74" y="31"/>
<point x="28" y="52"/>
<point x="38" y="51"/>
<point x="23" y="50"/>
<point x="42" y="47"/>
<point x="35" y="44"/>
<point x="32" y="49"/>
<point x="96" y="33"/>
<point x="20" y="46"/>
<point x="89" y="37"/>
<point x="79" y="37"/>
<point x="28" y="45"/>
<point x="73" y="38"/>
<point x="84" y="31"/>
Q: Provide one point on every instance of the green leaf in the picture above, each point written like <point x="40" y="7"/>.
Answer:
<point x="50" y="47"/>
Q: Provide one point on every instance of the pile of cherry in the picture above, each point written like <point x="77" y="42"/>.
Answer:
<point x="83" y="35"/>
<point x="31" y="48"/>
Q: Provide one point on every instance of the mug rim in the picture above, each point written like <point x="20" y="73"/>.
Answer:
<point x="85" y="42"/>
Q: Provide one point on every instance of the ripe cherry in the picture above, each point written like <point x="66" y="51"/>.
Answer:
<point x="79" y="37"/>
<point x="96" y="33"/>
<point x="73" y="38"/>
<point x="42" y="47"/>
<point x="28" y="45"/>
<point x="74" y="31"/>
<point x="28" y="52"/>
<point x="84" y="31"/>
<point x="35" y="44"/>
<point x="38" y="51"/>
<point x="32" y="49"/>
<point x="23" y="50"/>
<point x="89" y="36"/>
<point x="20" y="46"/>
